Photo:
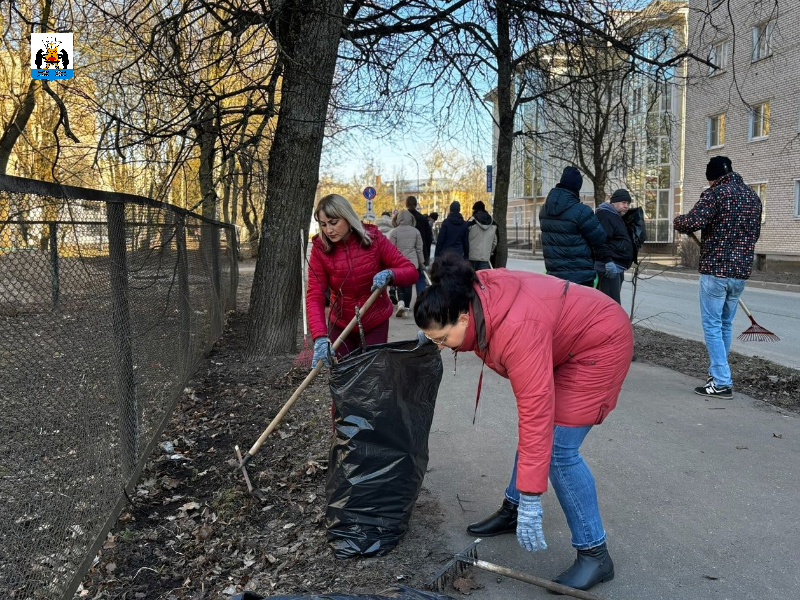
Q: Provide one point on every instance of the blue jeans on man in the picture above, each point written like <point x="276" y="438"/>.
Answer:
<point x="574" y="486"/>
<point x="719" y="298"/>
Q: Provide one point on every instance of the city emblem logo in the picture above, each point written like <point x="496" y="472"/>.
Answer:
<point x="51" y="56"/>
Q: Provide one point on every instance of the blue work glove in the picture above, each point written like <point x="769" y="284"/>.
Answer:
<point x="529" y="523"/>
<point x="422" y="339"/>
<point x="611" y="269"/>
<point x="381" y="279"/>
<point x="322" y="352"/>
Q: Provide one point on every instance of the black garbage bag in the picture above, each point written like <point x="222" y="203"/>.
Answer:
<point x="399" y="592"/>
<point x="383" y="399"/>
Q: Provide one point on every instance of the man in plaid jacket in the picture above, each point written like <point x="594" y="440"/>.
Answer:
<point x="729" y="216"/>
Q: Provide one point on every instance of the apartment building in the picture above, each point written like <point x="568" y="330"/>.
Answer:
<point x="747" y="107"/>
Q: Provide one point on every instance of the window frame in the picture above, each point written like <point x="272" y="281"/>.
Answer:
<point x="761" y="197"/>
<point x="768" y="28"/>
<point x="721" y="130"/>
<point x="764" y="121"/>
<point x="723" y="64"/>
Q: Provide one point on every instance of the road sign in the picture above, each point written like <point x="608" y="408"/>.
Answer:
<point x="369" y="192"/>
<point x="488" y="178"/>
<point x="369" y="206"/>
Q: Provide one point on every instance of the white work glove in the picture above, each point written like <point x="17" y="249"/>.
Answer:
<point x="529" y="523"/>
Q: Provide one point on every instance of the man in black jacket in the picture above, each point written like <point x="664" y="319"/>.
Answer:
<point x="424" y="227"/>
<point x="616" y="255"/>
<point x="570" y="230"/>
<point x="453" y="234"/>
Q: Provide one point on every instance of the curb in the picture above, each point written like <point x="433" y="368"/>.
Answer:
<point x="752" y="284"/>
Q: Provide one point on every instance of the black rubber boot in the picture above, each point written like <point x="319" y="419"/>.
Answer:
<point x="503" y="521"/>
<point x="592" y="566"/>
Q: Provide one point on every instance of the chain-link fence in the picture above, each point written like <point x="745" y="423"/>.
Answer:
<point x="107" y="302"/>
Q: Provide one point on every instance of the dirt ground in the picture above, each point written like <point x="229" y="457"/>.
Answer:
<point x="192" y="530"/>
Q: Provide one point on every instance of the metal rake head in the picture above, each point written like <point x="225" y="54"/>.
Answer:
<point x="756" y="333"/>
<point x="454" y="568"/>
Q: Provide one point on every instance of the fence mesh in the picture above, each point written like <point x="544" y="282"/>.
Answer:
<point x="107" y="302"/>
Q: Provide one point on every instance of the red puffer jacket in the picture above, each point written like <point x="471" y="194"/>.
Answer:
<point x="566" y="350"/>
<point x="348" y="271"/>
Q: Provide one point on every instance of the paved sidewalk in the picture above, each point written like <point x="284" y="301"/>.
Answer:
<point x="699" y="497"/>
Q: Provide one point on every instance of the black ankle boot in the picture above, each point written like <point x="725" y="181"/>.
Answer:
<point x="592" y="566"/>
<point x="503" y="521"/>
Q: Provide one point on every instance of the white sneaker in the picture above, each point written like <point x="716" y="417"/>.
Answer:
<point x="401" y="309"/>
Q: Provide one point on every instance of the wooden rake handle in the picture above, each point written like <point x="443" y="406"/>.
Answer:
<point x="692" y="235"/>
<point x="309" y="378"/>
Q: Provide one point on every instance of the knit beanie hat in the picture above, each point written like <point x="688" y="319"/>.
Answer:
<point x="455" y="206"/>
<point x="572" y="179"/>
<point x="717" y="167"/>
<point x="620" y="196"/>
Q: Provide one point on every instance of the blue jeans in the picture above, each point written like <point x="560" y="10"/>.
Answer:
<point x="421" y="282"/>
<point x="574" y="486"/>
<point x="719" y="297"/>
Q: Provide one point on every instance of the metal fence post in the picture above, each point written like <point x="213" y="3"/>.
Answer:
<point x="233" y="256"/>
<point x="129" y="417"/>
<point x="54" y="279"/>
<point x="184" y="304"/>
<point x="219" y="312"/>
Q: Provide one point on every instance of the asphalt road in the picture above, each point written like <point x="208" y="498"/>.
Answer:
<point x="671" y="305"/>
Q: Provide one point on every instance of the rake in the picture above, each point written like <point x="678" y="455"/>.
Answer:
<point x="469" y="557"/>
<point x="243" y="460"/>
<point x="306" y="354"/>
<point x="754" y="333"/>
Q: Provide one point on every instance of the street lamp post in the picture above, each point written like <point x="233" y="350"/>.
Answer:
<point x="416" y="163"/>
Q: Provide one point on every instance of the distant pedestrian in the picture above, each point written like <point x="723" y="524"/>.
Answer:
<point x="454" y="233"/>
<point x="384" y="222"/>
<point x="482" y="237"/>
<point x="570" y="231"/>
<point x="423" y="225"/>
<point x="729" y="216"/>
<point x="350" y="259"/>
<point x="432" y="218"/>
<point x="616" y="255"/>
<point x="409" y="241"/>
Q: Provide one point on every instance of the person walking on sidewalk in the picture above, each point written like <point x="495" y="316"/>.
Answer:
<point x="729" y="216"/>
<point x="384" y="222"/>
<point x="482" y="237"/>
<point x="566" y="351"/>
<point x="453" y="234"/>
<point x="570" y="230"/>
<point x="616" y="255"/>
<point x="350" y="259"/>
<point x="423" y="225"/>
<point x="408" y="240"/>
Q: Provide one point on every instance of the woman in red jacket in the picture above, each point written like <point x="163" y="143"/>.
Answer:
<point x="350" y="260"/>
<point x="566" y="350"/>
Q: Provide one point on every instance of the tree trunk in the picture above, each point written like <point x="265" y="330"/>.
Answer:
<point x="23" y="114"/>
<point x="308" y="32"/>
<point x="505" y="140"/>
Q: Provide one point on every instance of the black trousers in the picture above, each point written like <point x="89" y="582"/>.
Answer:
<point x="611" y="286"/>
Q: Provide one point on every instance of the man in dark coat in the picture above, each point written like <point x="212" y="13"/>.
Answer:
<point x="616" y="255"/>
<point x="570" y="230"/>
<point x="453" y="234"/>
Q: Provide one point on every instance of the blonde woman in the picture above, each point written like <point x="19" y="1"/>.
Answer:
<point x="350" y="259"/>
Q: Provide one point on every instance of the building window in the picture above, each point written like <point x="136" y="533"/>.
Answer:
<point x="718" y="56"/>
<point x="716" y="131"/>
<point x="796" y="199"/>
<point x="759" y="121"/>
<point x="762" y="40"/>
<point x="760" y="188"/>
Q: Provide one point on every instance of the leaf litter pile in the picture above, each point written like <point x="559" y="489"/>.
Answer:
<point x="193" y="531"/>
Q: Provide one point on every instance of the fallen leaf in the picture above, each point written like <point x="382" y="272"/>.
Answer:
<point x="111" y="567"/>
<point x="741" y="448"/>
<point x="711" y="577"/>
<point x="778" y="435"/>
